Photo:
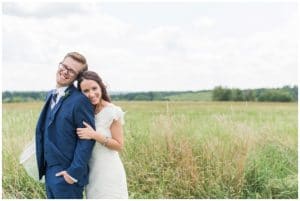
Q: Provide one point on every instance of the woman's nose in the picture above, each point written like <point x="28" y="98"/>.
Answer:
<point x="91" y="95"/>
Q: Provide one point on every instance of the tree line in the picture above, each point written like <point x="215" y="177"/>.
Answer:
<point x="284" y="94"/>
<point x="16" y="96"/>
<point x="219" y="93"/>
<point x="23" y="96"/>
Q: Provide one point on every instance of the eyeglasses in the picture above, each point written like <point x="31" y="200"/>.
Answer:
<point x="69" y="70"/>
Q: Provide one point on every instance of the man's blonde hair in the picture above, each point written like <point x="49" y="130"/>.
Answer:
<point x="78" y="57"/>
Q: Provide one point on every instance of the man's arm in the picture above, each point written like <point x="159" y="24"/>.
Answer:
<point x="84" y="111"/>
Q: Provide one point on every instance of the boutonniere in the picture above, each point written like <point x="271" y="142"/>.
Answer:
<point x="67" y="93"/>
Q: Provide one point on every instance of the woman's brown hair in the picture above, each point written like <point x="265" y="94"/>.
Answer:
<point x="91" y="75"/>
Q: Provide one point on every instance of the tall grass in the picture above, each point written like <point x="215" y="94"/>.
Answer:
<point x="18" y="124"/>
<point x="183" y="150"/>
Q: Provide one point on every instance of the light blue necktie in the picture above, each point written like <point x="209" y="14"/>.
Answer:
<point x="53" y="100"/>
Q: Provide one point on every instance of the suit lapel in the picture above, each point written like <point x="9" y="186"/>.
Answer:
<point x="42" y="118"/>
<point x="57" y="106"/>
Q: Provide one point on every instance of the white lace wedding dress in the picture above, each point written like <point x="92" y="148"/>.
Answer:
<point x="107" y="178"/>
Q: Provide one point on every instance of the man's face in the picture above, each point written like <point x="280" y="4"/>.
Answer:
<point x="68" y="71"/>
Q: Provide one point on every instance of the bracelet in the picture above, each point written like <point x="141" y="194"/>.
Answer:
<point x="105" y="141"/>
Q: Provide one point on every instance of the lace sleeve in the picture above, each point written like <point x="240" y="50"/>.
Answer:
<point x="119" y="115"/>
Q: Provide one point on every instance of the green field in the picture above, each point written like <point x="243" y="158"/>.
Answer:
<point x="182" y="149"/>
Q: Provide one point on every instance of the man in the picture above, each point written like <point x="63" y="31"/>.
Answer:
<point x="61" y="156"/>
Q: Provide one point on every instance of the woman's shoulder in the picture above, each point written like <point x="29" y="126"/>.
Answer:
<point x="113" y="110"/>
<point x="118" y="113"/>
<point x="113" y="106"/>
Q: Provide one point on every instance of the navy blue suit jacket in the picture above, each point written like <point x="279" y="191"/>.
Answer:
<point x="67" y="149"/>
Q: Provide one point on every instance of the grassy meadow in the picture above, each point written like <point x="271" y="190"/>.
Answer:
<point x="182" y="149"/>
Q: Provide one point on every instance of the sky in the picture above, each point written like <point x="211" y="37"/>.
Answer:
<point x="153" y="46"/>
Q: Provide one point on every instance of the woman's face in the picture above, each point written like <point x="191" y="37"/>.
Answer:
<point x="92" y="90"/>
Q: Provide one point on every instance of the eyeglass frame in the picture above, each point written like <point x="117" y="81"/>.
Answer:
<point x="69" y="70"/>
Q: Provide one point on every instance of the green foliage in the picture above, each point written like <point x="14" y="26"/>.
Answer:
<point x="249" y="95"/>
<point x="284" y="94"/>
<point x="219" y="93"/>
<point x="237" y="95"/>
<point x="222" y="94"/>
<point x="275" y="95"/>
<point x="26" y="96"/>
<point x="268" y="172"/>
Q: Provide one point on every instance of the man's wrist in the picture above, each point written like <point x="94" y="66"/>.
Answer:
<point x="75" y="180"/>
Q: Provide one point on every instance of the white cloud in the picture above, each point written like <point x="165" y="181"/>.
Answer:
<point x="44" y="10"/>
<point x="133" y="56"/>
<point x="24" y="77"/>
<point x="204" y="22"/>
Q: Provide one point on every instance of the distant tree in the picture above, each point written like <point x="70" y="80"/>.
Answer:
<point x="249" y="95"/>
<point x="237" y="95"/>
<point x="7" y="96"/>
<point x="282" y="96"/>
<point x="221" y="94"/>
<point x="275" y="95"/>
<point x="295" y="92"/>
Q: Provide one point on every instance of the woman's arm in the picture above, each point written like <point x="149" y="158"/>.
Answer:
<point x="115" y="143"/>
<point x="117" y="140"/>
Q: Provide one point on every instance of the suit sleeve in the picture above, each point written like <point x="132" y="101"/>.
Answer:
<point x="83" y="111"/>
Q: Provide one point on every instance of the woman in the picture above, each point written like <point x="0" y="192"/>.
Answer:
<point x="107" y="178"/>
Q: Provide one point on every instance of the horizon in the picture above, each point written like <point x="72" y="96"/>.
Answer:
<point x="200" y="90"/>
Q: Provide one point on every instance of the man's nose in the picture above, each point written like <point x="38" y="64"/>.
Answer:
<point x="65" y="71"/>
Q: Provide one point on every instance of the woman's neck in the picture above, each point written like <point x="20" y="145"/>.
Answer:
<point x="102" y="104"/>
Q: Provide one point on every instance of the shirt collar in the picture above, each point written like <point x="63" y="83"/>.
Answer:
<point x="61" y="90"/>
